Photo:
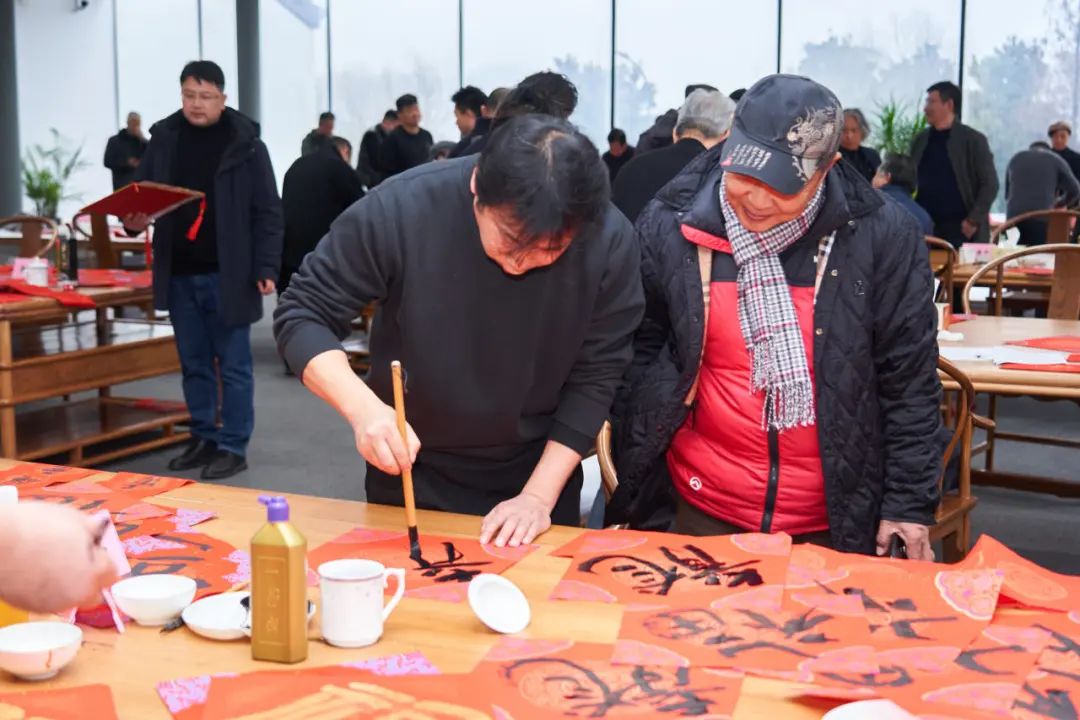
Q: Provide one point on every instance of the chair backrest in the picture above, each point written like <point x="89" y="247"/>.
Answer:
<point x="99" y="237"/>
<point x="943" y="260"/>
<point x="1065" y="287"/>
<point x="963" y="427"/>
<point x="33" y="243"/>
<point x="1058" y="224"/>
<point x="608" y="479"/>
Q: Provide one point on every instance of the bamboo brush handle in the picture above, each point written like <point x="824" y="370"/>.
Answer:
<point x="406" y="476"/>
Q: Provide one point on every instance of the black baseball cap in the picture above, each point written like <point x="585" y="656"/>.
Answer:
<point x="785" y="127"/>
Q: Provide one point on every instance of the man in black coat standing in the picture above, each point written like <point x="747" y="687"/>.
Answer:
<point x="124" y="150"/>
<point x="369" y="159"/>
<point x="704" y="120"/>
<point x="213" y="261"/>
<point x="317" y="188"/>
<point x="409" y="145"/>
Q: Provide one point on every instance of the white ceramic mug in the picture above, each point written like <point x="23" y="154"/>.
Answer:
<point x="352" y="601"/>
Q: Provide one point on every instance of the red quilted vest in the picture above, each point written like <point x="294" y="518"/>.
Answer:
<point x="721" y="460"/>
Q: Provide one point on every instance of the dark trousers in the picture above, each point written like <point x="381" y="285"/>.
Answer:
<point x="951" y="231"/>
<point x="203" y="338"/>
<point x="1032" y="232"/>
<point x="691" y="521"/>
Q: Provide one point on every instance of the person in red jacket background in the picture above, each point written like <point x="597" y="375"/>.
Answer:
<point x="796" y="388"/>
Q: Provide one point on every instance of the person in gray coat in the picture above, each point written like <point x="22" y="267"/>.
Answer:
<point x="1038" y="179"/>
<point x="956" y="175"/>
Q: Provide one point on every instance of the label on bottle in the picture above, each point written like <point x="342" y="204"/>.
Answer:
<point x="269" y="621"/>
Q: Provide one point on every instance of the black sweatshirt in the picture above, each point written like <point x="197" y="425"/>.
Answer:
<point x="497" y="365"/>
<point x="198" y="156"/>
<point x="403" y="150"/>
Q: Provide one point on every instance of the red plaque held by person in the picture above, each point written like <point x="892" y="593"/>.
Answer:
<point x="143" y="198"/>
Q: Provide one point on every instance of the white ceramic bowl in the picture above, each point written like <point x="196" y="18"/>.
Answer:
<point x="38" y="650"/>
<point x="869" y="710"/>
<point x="499" y="603"/>
<point x="223" y="617"/>
<point x="154" y="600"/>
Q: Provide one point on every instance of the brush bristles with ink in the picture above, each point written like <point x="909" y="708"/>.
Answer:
<point x="406" y="475"/>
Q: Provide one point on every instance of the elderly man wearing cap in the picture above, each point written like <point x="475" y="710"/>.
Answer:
<point x="1059" y="134"/>
<point x="784" y="377"/>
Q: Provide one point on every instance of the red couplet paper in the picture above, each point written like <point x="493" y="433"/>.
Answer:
<point x="89" y="701"/>
<point x="1025" y="582"/>
<point x="444" y="570"/>
<point x="560" y="678"/>
<point x="761" y="642"/>
<point x="1052" y="689"/>
<point x="35" y="475"/>
<point x="1063" y="343"/>
<point x="87" y="497"/>
<point x="643" y="568"/>
<point x="143" y="486"/>
<point x="336" y="692"/>
<point x="147" y="198"/>
<point x="215" y="565"/>
<point x="907" y="604"/>
<point x="110" y="277"/>
<point x="67" y="298"/>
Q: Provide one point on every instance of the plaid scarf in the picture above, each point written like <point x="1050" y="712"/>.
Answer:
<point x="767" y="317"/>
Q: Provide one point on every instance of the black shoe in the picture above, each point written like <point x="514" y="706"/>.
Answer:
<point x="224" y="465"/>
<point x="197" y="454"/>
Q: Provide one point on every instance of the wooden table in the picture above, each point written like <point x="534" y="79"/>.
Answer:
<point x="45" y="354"/>
<point x="989" y="378"/>
<point x="1011" y="279"/>
<point x="447" y="633"/>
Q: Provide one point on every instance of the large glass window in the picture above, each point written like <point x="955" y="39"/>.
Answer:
<point x="381" y="51"/>
<point x="154" y="40"/>
<point x="293" y="86"/>
<point x="219" y="41"/>
<point x="506" y="40"/>
<point x="1021" y="72"/>
<point x="663" y="47"/>
<point x="871" y="53"/>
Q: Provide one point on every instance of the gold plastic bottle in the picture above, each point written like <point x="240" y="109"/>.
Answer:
<point x="9" y="614"/>
<point x="278" y="587"/>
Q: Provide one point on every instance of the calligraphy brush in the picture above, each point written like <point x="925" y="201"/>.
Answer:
<point x="406" y="475"/>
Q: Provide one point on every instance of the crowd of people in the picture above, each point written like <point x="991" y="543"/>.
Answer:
<point x="733" y="292"/>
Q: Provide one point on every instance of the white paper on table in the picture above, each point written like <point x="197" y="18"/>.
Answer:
<point x="1001" y="354"/>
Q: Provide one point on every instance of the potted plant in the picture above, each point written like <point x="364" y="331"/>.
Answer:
<point x="897" y="128"/>
<point x="46" y="172"/>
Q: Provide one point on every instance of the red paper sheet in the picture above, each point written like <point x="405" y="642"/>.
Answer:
<point x="214" y="564"/>
<point x="36" y="475"/>
<point x="106" y="277"/>
<point x="336" y="692"/>
<point x="148" y="198"/>
<point x="1052" y="689"/>
<point x="88" y="497"/>
<point x="79" y="703"/>
<point x="67" y="298"/>
<point x="761" y="642"/>
<point x="1062" y="343"/>
<point x="1025" y="582"/>
<point x="143" y="486"/>
<point x="446" y="566"/>
<point x="562" y="679"/>
<point x="646" y="568"/>
<point x="908" y="604"/>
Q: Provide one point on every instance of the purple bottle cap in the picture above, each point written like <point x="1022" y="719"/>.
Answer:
<point x="277" y="508"/>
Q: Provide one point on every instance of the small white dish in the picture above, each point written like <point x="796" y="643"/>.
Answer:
<point x="869" y="710"/>
<point x="154" y="600"/>
<point x="38" y="650"/>
<point x="224" y="617"/>
<point x="499" y="603"/>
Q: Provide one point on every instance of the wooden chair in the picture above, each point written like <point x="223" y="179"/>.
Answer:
<point x="1063" y="304"/>
<point x="100" y="240"/>
<point x="1064" y="298"/>
<point x="943" y="261"/>
<point x="32" y="228"/>
<point x="1058" y="224"/>
<point x="953" y="516"/>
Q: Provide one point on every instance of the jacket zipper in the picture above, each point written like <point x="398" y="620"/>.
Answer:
<point x="774" y="481"/>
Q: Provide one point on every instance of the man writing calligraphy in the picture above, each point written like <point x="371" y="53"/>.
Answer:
<point x="795" y="388"/>
<point x="508" y="287"/>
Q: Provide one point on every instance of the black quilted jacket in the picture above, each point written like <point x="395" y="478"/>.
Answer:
<point x="875" y="356"/>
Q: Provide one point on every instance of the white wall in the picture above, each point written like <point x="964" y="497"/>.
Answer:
<point x="66" y="81"/>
